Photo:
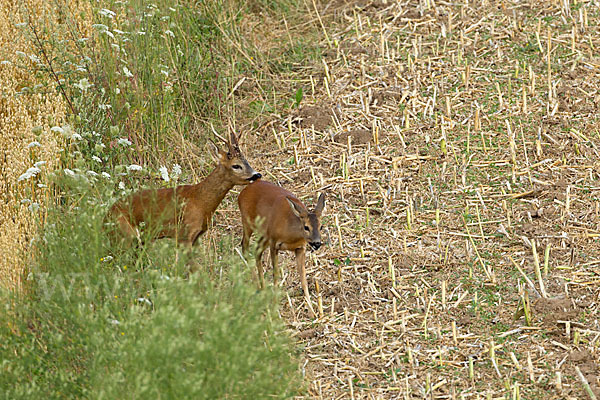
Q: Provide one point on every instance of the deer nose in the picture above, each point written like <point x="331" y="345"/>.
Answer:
<point x="255" y="177"/>
<point x="315" y="245"/>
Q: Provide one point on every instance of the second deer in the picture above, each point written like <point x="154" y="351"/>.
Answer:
<point x="283" y="222"/>
<point x="184" y="212"/>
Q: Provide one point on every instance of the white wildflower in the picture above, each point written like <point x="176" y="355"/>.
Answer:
<point x="35" y="143"/>
<point x="176" y="170"/>
<point x="127" y="72"/>
<point x="20" y="53"/>
<point x="114" y="321"/>
<point x="69" y="172"/>
<point x="33" y="207"/>
<point x="5" y="62"/>
<point x="34" y="58"/>
<point x="92" y="173"/>
<point x="120" y="32"/>
<point x="164" y="173"/>
<point x="21" y="24"/>
<point x="56" y="129"/>
<point x="105" y="107"/>
<point x="110" y="34"/>
<point x="67" y="132"/>
<point x="39" y="164"/>
<point x="26" y="201"/>
<point x="105" y="175"/>
<point x="42" y="185"/>
<point x="76" y="136"/>
<point x="107" y="13"/>
<point x="97" y="159"/>
<point x="144" y="300"/>
<point x="134" y="167"/>
<point x="121" y="186"/>
<point x="141" y="33"/>
<point x="169" y="32"/>
<point x="83" y="85"/>
<point x="31" y="172"/>
<point x="100" y="27"/>
<point x="124" y="142"/>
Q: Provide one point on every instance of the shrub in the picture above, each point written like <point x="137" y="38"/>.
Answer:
<point x="89" y="325"/>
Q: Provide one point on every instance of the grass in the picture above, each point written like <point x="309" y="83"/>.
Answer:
<point x="94" y="325"/>
<point x="404" y="307"/>
<point x="141" y="86"/>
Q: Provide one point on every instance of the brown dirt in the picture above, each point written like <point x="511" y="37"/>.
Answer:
<point x="425" y="208"/>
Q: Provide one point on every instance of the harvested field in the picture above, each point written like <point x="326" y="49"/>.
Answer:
<point x="458" y="147"/>
<point x="457" y="143"/>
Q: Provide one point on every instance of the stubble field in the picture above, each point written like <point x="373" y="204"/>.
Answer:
<point x="457" y="144"/>
<point x="458" y="147"/>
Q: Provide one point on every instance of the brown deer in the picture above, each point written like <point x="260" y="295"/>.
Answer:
<point x="283" y="223"/>
<point x="184" y="212"/>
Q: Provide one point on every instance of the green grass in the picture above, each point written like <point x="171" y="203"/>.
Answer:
<point x="95" y="325"/>
<point x="98" y="321"/>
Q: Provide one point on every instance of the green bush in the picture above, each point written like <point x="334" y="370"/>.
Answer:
<point x="96" y="321"/>
<point x="91" y="326"/>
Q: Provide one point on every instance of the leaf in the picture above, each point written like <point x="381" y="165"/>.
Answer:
<point x="299" y="95"/>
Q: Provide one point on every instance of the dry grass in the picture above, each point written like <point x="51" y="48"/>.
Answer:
<point x="26" y="102"/>
<point x="458" y="145"/>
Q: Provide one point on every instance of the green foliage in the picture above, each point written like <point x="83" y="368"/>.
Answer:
<point x="298" y="97"/>
<point x="97" y="325"/>
<point x="98" y="321"/>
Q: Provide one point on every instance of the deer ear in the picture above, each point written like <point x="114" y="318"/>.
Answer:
<point x="320" y="205"/>
<point x="296" y="209"/>
<point x="214" y="151"/>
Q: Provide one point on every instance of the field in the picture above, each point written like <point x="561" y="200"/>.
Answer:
<point x="458" y="147"/>
<point x="457" y="144"/>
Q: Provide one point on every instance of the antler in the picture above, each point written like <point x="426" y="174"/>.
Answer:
<point x="233" y="139"/>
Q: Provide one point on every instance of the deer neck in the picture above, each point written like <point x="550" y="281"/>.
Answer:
<point x="214" y="188"/>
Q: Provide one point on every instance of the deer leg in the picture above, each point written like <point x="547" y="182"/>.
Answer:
<point x="262" y="246"/>
<point x="193" y="236"/>
<point x="300" y="263"/>
<point x="274" y="263"/>
<point x="128" y="232"/>
<point x="246" y="235"/>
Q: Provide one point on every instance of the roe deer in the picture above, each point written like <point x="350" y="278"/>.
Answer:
<point x="283" y="222"/>
<point x="184" y="212"/>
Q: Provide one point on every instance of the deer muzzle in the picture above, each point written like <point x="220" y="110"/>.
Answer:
<point x="255" y="177"/>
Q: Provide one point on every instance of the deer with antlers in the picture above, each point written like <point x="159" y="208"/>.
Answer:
<point x="184" y="212"/>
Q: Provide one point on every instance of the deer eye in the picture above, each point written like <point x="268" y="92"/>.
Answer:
<point x="306" y="228"/>
<point x="236" y="167"/>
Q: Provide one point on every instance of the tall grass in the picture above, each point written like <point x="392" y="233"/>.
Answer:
<point x="95" y="325"/>
<point x="102" y="322"/>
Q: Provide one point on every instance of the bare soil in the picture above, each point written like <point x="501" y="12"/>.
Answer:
<point x="455" y="141"/>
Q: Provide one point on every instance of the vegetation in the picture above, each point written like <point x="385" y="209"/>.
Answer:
<point x="95" y="320"/>
<point x="457" y="143"/>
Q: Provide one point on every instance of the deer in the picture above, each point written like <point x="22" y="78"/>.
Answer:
<point x="282" y="222"/>
<point x="184" y="212"/>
